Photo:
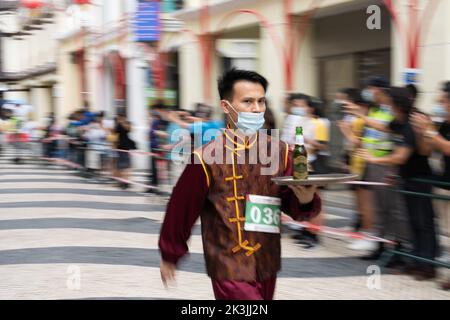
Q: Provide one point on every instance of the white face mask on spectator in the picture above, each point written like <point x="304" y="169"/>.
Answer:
<point x="439" y="113"/>
<point x="368" y="95"/>
<point x="298" y="111"/>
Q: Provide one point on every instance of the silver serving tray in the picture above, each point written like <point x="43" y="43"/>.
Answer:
<point x="316" y="179"/>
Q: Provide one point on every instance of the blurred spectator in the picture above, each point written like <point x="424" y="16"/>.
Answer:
<point x="78" y="143"/>
<point x="124" y="144"/>
<point x="439" y="139"/>
<point x="305" y="112"/>
<point x="320" y="143"/>
<point x="376" y="140"/>
<point x="51" y="135"/>
<point x="352" y="128"/>
<point x="296" y="105"/>
<point x="20" y="111"/>
<point x="202" y="126"/>
<point x="158" y="126"/>
<point x="72" y="133"/>
<point x="3" y="128"/>
<point x="95" y="135"/>
<point x="412" y="159"/>
<point x="413" y="93"/>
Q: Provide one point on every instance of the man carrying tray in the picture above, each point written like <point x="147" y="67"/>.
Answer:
<point x="232" y="191"/>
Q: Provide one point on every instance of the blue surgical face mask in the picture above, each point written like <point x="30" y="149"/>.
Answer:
<point x="440" y="111"/>
<point x="368" y="95"/>
<point x="297" y="111"/>
<point x="248" y="121"/>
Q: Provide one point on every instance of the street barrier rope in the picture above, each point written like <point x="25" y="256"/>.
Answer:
<point x="290" y="222"/>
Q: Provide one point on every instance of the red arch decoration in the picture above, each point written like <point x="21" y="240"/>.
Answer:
<point x="411" y="34"/>
<point x="264" y="22"/>
<point x="32" y="4"/>
<point x="292" y="44"/>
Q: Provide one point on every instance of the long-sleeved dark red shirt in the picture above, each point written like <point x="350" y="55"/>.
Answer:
<point x="188" y="199"/>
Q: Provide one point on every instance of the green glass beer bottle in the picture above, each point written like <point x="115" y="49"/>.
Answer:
<point x="300" y="156"/>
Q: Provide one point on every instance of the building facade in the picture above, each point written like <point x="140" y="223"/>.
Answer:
<point x="121" y="55"/>
<point x="29" y="53"/>
<point x="331" y="44"/>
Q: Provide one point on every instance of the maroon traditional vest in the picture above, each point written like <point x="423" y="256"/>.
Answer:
<point x="231" y="253"/>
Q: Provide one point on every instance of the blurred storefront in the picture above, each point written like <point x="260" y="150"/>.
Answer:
<point x="120" y="56"/>
<point x="29" y="58"/>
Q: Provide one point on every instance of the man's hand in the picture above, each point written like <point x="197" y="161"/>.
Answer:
<point x="420" y="123"/>
<point x="344" y="125"/>
<point x="182" y="113"/>
<point x="167" y="270"/>
<point x="353" y="109"/>
<point x="304" y="194"/>
<point x="364" y="154"/>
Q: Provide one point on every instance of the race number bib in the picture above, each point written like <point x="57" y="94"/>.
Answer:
<point x="262" y="214"/>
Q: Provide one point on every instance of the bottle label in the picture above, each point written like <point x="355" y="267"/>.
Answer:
<point x="300" y="168"/>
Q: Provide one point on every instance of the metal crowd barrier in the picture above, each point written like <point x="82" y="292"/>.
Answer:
<point x="392" y="252"/>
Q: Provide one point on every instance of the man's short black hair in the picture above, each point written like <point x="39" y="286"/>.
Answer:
<point x="229" y="78"/>
<point x="446" y="89"/>
<point x="352" y="94"/>
<point x="413" y="90"/>
<point x="318" y="107"/>
<point x="401" y="99"/>
<point x="378" y="81"/>
<point x="100" y="114"/>
<point x="302" y="96"/>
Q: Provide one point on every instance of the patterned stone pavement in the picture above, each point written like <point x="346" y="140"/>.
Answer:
<point x="65" y="237"/>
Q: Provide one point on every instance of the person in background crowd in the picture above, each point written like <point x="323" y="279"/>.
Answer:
<point x="411" y="157"/>
<point x="95" y="135"/>
<point x="346" y="121"/>
<point x="35" y="132"/>
<point x="158" y="126"/>
<point x="316" y="133"/>
<point x="124" y="144"/>
<point x="81" y="119"/>
<point x="22" y="111"/>
<point x="202" y="126"/>
<point x="321" y="138"/>
<point x="296" y="105"/>
<point x="173" y="138"/>
<point x="389" y="206"/>
<point x="302" y="112"/>
<point x="180" y="140"/>
<point x="50" y="144"/>
<point x="7" y="124"/>
<point x="437" y="137"/>
<point x="352" y="128"/>
<point x="413" y="93"/>
<point x="3" y="125"/>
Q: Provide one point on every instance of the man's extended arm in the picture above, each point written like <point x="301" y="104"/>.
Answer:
<point x="187" y="200"/>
